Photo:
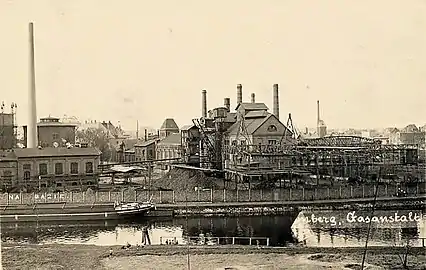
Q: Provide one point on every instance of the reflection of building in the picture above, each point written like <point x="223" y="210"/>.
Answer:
<point x="50" y="131"/>
<point x="56" y="168"/>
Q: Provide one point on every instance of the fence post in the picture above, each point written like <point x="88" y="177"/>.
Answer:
<point x="352" y="195"/>
<point x="249" y="194"/>
<point x="20" y="197"/>
<point x="417" y="189"/>
<point x="173" y="196"/>
<point x="237" y="196"/>
<point x="72" y="196"/>
<point x="303" y="193"/>
<point x="122" y="195"/>
<point x="224" y="195"/>
<point x="160" y="197"/>
<point x="109" y="196"/>
<point x="386" y="190"/>
<point x="363" y="191"/>
<point x="328" y="193"/>
<point x="261" y="195"/>
<point x="96" y="196"/>
<point x="289" y="195"/>
<point x="136" y="195"/>
<point x="340" y="192"/>
<point x="7" y="194"/>
<point x="198" y="195"/>
<point x="315" y="193"/>
<point x="83" y="194"/>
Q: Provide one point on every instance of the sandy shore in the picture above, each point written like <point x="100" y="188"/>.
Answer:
<point x="175" y="257"/>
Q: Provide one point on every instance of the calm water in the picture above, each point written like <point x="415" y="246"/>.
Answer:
<point x="277" y="228"/>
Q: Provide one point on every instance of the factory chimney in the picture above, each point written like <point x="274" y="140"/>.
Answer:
<point x="204" y="103"/>
<point x="146" y="135"/>
<point x="253" y="98"/>
<point x="227" y="104"/>
<point x="239" y="94"/>
<point x="32" y="101"/>
<point x="276" y="108"/>
<point x="318" y="113"/>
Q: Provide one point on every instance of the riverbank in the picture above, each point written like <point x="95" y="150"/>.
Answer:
<point x="279" y="207"/>
<point x="175" y="257"/>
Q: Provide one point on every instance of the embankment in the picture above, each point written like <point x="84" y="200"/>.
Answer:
<point x="272" y="208"/>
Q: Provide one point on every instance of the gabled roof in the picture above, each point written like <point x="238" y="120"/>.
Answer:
<point x="174" y="138"/>
<point x="252" y="125"/>
<point x="252" y="106"/>
<point x="145" y="143"/>
<point x="55" y="152"/>
<point x="410" y="128"/>
<point x="256" y="114"/>
<point x="187" y="127"/>
<point x="169" y="123"/>
<point x="230" y="118"/>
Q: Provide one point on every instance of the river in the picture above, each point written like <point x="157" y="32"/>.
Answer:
<point x="276" y="228"/>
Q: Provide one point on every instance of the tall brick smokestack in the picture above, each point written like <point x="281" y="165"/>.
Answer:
<point x="227" y="103"/>
<point x="276" y="109"/>
<point x="204" y="103"/>
<point x="253" y="98"/>
<point x="318" y="113"/>
<point x="239" y="94"/>
<point x="32" y="140"/>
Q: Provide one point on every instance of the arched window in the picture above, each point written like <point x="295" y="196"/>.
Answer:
<point x="272" y="128"/>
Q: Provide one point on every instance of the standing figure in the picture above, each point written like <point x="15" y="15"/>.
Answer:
<point x="145" y="236"/>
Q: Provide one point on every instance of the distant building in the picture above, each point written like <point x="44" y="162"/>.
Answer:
<point x="51" y="132"/>
<point x="190" y="136"/>
<point x="411" y="134"/>
<point x="7" y="131"/>
<point x="145" y="150"/>
<point x="57" y="168"/>
<point x="169" y="147"/>
<point x="168" y="127"/>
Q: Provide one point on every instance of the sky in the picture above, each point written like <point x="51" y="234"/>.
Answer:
<point x="365" y="60"/>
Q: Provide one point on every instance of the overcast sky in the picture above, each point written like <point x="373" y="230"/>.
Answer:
<point x="128" y="60"/>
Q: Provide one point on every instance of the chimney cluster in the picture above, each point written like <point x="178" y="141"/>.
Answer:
<point x="227" y="104"/>
<point x="239" y="94"/>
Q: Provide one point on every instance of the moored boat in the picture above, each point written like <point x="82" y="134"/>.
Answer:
<point x="52" y="211"/>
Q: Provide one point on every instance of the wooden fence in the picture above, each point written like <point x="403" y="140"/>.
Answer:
<point x="209" y="195"/>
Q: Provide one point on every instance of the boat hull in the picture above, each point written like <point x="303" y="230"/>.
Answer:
<point x="66" y="212"/>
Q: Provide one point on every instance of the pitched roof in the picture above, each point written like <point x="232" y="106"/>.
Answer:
<point x="174" y="138"/>
<point x="252" y="125"/>
<point x="55" y="152"/>
<point x="256" y="114"/>
<point x="145" y="143"/>
<point x="410" y="128"/>
<point x="187" y="127"/>
<point x="252" y="106"/>
<point x="169" y="123"/>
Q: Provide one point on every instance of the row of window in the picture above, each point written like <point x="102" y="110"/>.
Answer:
<point x="59" y="168"/>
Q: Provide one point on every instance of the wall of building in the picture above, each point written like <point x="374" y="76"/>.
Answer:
<point x="34" y="166"/>
<point x="7" y="136"/>
<point x="143" y="153"/>
<point x="8" y="173"/>
<point x="412" y="137"/>
<point x="47" y="135"/>
<point x="165" y="151"/>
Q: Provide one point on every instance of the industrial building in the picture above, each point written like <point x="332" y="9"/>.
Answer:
<point x="49" y="168"/>
<point x="8" y="128"/>
<point x="53" y="133"/>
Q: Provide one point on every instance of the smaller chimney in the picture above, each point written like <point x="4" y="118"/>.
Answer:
<point x="276" y="109"/>
<point x="253" y="98"/>
<point x="227" y="104"/>
<point x="239" y="94"/>
<point x="318" y="112"/>
<point x="204" y="103"/>
<point x="146" y="134"/>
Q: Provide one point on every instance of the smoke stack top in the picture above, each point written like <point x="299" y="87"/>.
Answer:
<point x="204" y="103"/>
<point x="239" y="94"/>
<point x="276" y="108"/>
<point x="32" y="101"/>
<point x="227" y="103"/>
<point x="253" y="98"/>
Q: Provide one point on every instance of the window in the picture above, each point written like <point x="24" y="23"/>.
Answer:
<point x="7" y="175"/>
<point x="271" y="142"/>
<point x="74" y="168"/>
<point x="59" y="168"/>
<point x="272" y="128"/>
<point x="27" y="175"/>
<point x="42" y="169"/>
<point x="55" y="136"/>
<point x="89" y="167"/>
<point x="27" y="167"/>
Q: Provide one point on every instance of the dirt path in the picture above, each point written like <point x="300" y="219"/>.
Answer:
<point x="175" y="257"/>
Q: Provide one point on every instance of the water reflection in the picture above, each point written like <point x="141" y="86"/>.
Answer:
<point x="277" y="228"/>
